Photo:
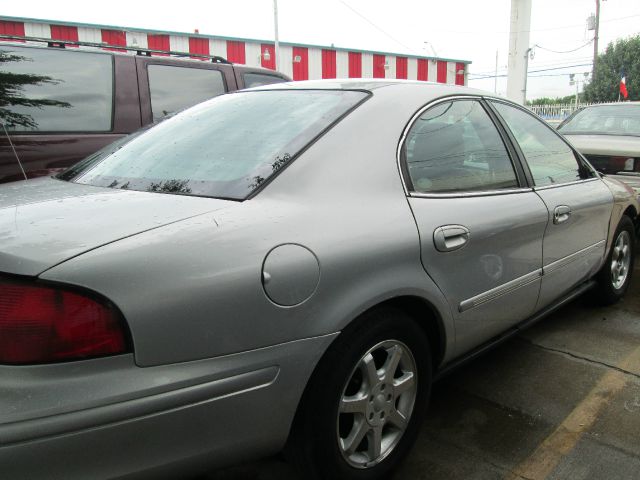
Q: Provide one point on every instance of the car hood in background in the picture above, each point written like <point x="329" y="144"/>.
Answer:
<point x="614" y="145"/>
<point x="44" y="222"/>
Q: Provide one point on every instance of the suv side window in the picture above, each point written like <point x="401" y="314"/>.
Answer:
<point x="173" y="88"/>
<point x="455" y="147"/>
<point x="550" y="160"/>
<point x="53" y="90"/>
<point x="257" y="79"/>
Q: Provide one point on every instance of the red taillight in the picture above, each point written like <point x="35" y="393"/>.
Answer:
<point x="40" y="324"/>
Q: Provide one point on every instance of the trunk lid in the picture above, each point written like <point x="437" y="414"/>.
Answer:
<point x="45" y="221"/>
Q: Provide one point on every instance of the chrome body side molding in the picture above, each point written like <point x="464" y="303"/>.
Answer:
<point x="527" y="279"/>
<point x="500" y="290"/>
<point x="563" y="262"/>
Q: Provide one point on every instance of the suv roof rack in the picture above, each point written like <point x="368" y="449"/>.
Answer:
<point x="147" y="52"/>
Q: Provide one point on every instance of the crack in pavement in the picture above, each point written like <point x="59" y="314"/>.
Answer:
<point x="562" y="442"/>
<point x="579" y="357"/>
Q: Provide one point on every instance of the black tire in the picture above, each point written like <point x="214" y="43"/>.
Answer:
<point x="608" y="292"/>
<point x="314" y="446"/>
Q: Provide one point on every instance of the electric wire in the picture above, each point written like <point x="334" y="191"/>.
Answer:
<point x="536" y="71"/>
<point x="481" y="32"/>
<point x="376" y="26"/>
<point x="557" y="74"/>
<point x="565" y="51"/>
<point x="554" y="63"/>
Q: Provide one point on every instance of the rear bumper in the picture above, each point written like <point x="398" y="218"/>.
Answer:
<point x="108" y="418"/>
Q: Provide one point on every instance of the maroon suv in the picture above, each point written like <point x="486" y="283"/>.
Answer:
<point x="60" y="103"/>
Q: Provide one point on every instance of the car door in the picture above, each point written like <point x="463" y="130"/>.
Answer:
<point x="480" y="225"/>
<point x="578" y="202"/>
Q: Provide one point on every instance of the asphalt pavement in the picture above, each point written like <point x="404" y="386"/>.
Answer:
<point x="559" y="401"/>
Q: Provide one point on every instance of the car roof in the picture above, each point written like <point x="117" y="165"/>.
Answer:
<point x="371" y="84"/>
<point x="613" y="104"/>
<point x="126" y="51"/>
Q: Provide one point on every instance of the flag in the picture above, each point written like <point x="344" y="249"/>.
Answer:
<point x="623" y="84"/>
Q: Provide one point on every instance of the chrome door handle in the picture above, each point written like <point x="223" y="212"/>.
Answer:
<point x="561" y="214"/>
<point x="450" y="237"/>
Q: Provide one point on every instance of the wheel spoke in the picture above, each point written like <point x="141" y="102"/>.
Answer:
<point x="354" y="404"/>
<point x="370" y="370"/>
<point x="404" y="383"/>
<point x="394" y="354"/>
<point x="397" y="419"/>
<point x="374" y="440"/>
<point x="358" y="432"/>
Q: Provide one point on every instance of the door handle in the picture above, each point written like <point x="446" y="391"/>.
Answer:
<point x="450" y="237"/>
<point x="561" y="214"/>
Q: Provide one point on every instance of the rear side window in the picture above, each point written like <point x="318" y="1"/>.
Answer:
<point x="52" y="90"/>
<point x="455" y="147"/>
<point x="258" y="79"/>
<point x="174" y="88"/>
<point x="550" y="160"/>
<point x="225" y="148"/>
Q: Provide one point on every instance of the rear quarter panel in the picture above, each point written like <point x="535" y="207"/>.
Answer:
<point x="194" y="289"/>
<point x="623" y="198"/>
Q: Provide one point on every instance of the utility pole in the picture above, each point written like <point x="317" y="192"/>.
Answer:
<point x="595" y="40"/>
<point x="519" y="50"/>
<point x="275" y="26"/>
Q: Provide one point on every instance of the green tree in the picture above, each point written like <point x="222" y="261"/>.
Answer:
<point x="605" y="86"/>
<point x="12" y="87"/>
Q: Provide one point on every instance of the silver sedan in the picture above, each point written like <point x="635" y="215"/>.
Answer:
<point x="289" y="267"/>
<point x="608" y="135"/>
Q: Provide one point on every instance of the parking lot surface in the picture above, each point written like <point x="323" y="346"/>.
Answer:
<point x="560" y="401"/>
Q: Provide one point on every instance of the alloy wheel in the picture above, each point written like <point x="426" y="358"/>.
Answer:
<point x="376" y="404"/>
<point x="620" y="260"/>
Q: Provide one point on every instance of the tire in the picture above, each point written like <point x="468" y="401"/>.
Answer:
<point x="356" y="374"/>
<point x="615" y="275"/>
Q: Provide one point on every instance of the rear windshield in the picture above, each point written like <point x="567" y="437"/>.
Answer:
<point x="605" y="120"/>
<point x="223" y="148"/>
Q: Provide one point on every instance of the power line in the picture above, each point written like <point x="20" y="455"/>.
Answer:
<point x="552" y="63"/>
<point x="557" y="74"/>
<point x="565" y="51"/>
<point x="563" y="27"/>
<point x="560" y="68"/>
<point x="376" y="26"/>
<point x="536" y="71"/>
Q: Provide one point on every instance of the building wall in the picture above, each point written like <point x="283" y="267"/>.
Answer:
<point x="297" y="61"/>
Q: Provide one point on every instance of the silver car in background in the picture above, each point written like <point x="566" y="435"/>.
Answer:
<point x="608" y="135"/>
<point x="288" y="267"/>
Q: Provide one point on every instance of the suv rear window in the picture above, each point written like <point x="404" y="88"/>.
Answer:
<point x="174" y="88"/>
<point x="224" y="148"/>
<point x="258" y="79"/>
<point x="52" y="90"/>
